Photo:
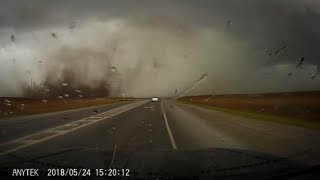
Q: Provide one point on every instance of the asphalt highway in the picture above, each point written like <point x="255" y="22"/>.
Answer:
<point x="145" y="126"/>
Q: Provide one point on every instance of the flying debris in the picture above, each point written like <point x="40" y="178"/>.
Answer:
<point x="12" y="38"/>
<point x="78" y="91"/>
<point x="60" y="97"/>
<point x="54" y="35"/>
<point x="155" y="64"/>
<point x="300" y="62"/>
<point x="95" y="111"/>
<point x="229" y="23"/>
<point x="45" y="101"/>
<point x="271" y="53"/>
<point x="80" y="96"/>
<point x="22" y="105"/>
<point x="72" y="25"/>
<point x="64" y="84"/>
<point x="314" y="76"/>
<point x="39" y="62"/>
<point x="66" y="95"/>
<point x="289" y="74"/>
<point x="47" y="90"/>
<point x="281" y="49"/>
<point x="113" y="69"/>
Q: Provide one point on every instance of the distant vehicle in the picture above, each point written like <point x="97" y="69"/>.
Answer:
<point x="154" y="99"/>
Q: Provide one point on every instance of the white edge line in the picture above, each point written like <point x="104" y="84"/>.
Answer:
<point x="173" y="143"/>
<point x="32" y="142"/>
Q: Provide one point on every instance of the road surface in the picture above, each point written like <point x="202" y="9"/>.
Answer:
<point x="145" y="126"/>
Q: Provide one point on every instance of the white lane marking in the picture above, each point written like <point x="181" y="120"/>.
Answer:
<point x="173" y="143"/>
<point x="25" y="143"/>
<point x="114" y="154"/>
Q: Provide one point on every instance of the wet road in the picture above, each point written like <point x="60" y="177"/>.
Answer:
<point x="145" y="126"/>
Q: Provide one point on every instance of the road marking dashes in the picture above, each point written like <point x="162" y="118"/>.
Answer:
<point x="29" y="140"/>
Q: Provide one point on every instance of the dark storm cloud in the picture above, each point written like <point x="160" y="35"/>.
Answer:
<point x="266" y="24"/>
<point x="234" y="35"/>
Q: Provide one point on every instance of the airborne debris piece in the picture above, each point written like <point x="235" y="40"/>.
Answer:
<point x="229" y="23"/>
<point x="72" y="25"/>
<point x="300" y="62"/>
<point x="12" y="38"/>
<point x="66" y="95"/>
<point x="281" y="49"/>
<point x="22" y="105"/>
<point x="47" y="90"/>
<point x="64" y="84"/>
<point x="80" y="95"/>
<point x="95" y="111"/>
<point x="45" y="101"/>
<point x="8" y="104"/>
<point x="289" y="74"/>
<point x="314" y="76"/>
<point x="54" y="35"/>
<point x="113" y="69"/>
<point x="39" y="62"/>
<point x="78" y="91"/>
<point x="60" y="97"/>
<point x="269" y="52"/>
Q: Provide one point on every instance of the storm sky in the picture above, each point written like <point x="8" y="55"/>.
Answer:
<point x="153" y="47"/>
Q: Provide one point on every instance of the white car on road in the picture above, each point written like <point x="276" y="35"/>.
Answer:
<point x="154" y="99"/>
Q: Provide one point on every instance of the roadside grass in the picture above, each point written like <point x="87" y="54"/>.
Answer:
<point x="35" y="106"/>
<point x="311" y="124"/>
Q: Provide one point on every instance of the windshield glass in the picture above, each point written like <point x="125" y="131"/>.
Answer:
<point x="160" y="88"/>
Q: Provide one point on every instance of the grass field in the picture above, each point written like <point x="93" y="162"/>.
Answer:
<point x="10" y="106"/>
<point x="295" y="108"/>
